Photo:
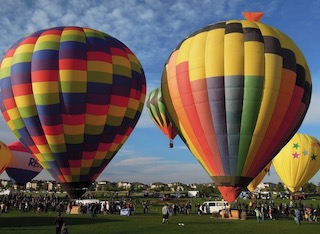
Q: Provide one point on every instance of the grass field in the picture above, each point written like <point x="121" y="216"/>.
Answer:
<point x="30" y="222"/>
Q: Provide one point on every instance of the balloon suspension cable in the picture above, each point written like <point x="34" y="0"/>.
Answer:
<point x="171" y="144"/>
<point x="253" y="16"/>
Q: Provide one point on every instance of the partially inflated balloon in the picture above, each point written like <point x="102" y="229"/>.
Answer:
<point x="237" y="91"/>
<point x="256" y="181"/>
<point x="72" y="96"/>
<point x="159" y="115"/>
<point x="298" y="161"/>
<point x="5" y="156"/>
<point x="23" y="166"/>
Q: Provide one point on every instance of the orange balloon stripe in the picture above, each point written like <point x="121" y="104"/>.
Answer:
<point x="43" y="141"/>
<point x="209" y="141"/>
<point x="73" y="64"/>
<point x="191" y="122"/>
<point x="22" y="89"/>
<point x="279" y="114"/>
<point x="45" y="75"/>
<point x="99" y="56"/>
<point x="52" y="130"/>
<point x="96" y="109"/>
<point x="289" y="122"/>
<point x="74" y="119"/>
<point x="182" y="119"/>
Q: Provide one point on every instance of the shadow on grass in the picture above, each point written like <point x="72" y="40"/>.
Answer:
<point x="6" y="222"/>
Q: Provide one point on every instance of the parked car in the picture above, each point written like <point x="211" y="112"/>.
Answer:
<point x="213" y="206"/>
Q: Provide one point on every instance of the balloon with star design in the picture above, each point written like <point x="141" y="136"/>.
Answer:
<point x="298" y="161"/>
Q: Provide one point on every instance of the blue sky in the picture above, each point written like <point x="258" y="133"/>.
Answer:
<point x="152" y="29"/>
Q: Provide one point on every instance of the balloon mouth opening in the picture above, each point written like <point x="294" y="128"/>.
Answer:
<point x="230" y="193"/>
<point x="76" y="189"/>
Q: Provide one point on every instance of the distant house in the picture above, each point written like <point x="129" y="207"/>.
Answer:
<point x="265" y="185"/>
<point x="138" y="185"/>
<point x="124" y="185"/>
<point x="176" y="186"/>
<point x="157" y="185"/>
<point x="5" y="183"/>
<point x="192" y="186"/>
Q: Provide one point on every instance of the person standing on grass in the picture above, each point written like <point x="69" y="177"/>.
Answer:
<point x="165" y="214"/>
<point x="58" y="222"/>
<point x="64" y="229"/>
<point x="297" y="215"/>
<point x="257" y="210"/>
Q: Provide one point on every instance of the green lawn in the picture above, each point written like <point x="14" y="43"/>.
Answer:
<point x="27" y="223"/>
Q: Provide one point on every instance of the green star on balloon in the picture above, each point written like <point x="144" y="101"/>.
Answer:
<point x="313" y="157"/>
<point x="296" y="145"/>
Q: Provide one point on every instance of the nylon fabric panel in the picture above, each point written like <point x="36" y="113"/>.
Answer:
<point x="190" y="90"/>
<point x="214" y="53"/>
<point x="273" y="72"/>
<point x="284" y="102"/>
<point x="198" y="81"/>
<point x="174" y="104"/>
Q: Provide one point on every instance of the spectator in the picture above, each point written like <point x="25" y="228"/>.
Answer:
<point x="165" y="214"/>
<point x="58" y="222"/>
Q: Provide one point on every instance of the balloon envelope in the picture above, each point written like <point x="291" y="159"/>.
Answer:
<point x="256" y="181"/>
<point x="23" y="166"/>
<point x="237" y="92"/>
<point x="158" y="113"/>
<point x="72" y="96"/>
<point x="298" y="161"/>
<point x="5" y="156"/>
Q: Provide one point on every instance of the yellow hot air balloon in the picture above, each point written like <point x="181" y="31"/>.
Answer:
<point x="256" y="181"/>
<point x="298" y="161"/>
<point x="5" y="156"/>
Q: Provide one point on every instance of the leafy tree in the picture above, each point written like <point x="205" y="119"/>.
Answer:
<point x="279" y="187"/>
<point x="309" y="188"/>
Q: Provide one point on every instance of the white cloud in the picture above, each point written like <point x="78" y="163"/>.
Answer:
<point x="312" y="116"/>
<point x="154" y="169"/>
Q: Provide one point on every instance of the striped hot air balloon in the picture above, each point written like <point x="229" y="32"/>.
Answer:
<point x="238" y="91"/>
<point x="72" y="96"/>
<point x="159" y="115"/>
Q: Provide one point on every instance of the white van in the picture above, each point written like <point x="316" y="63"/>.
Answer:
<point x="213" y="206"/>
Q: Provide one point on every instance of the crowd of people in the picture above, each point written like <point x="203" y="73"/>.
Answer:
<point x="261" y="209"/>
<point x="25" y="203"/>
<point x="296" y="209"/>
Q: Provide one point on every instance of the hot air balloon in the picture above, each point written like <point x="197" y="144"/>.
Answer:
<point x="256" y="181"/>
<point x="237" y="91"/>
<point x="5" y="156"/>
<point x="159" y="115"/>
<point x="23" y="166"/>
<point x="298" y="161"/>
<point x="72" y="96"/>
